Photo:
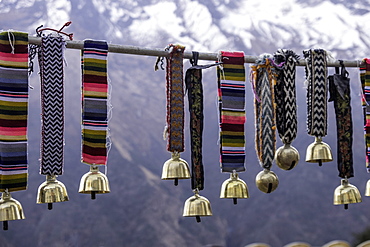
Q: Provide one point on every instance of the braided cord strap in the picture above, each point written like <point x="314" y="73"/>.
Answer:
<point x="175" y="99"/>
<point x="285" y="97"/>
<point x="263" y="79"/>
<point x="231" y="98"/>
<point x="94" y="102"/>
<point x="13" y="110"/>
<point x="52" y="105"/>
<point x="317" y="88"/>
<point x="365" y="82"/>
<point x="340" y="94"/>
<point x="193" y="80"/>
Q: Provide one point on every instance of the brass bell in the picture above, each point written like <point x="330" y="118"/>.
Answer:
<point x="175" y="168"/>
<point x="287" y="157"/>
<point x="51" y="191"/>
<point x="267" y="181"/>
<point x="196" y="206"/>
<point x="318" y="152"/>
<point x="234" y="188"/>
<point x="367" y="191"/>
<point x="346" y="193"/>
<point x="10" y="209"/>
<point x="94" y="182"/>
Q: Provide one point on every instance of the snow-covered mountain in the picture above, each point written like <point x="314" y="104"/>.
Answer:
<point x="142" y="210"/>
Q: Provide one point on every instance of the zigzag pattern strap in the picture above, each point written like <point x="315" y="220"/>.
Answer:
<point x="193" y="80"/>
<point x="285" y="96"/>
<point x="52" y="105"/>
<point x="94" y="102"/>
<point x="365" y="82"/>
<point x="263" y="81"/>
<point x="340" y="93"/>
<point x="317" y="89"/>
<point x="13" y="110"/>
<point x="175" y="99"/>
<point x="231" y="96"/>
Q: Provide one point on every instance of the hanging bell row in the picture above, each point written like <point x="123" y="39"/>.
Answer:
<point x="51" y="191"/>
<point x="175" y="168"/>
<point x="234" y="188"/>
<point x="346" y="193"/>
<point x="10" y="209"/>
<point x="197" y="206"/>
<point x="318" y="152"/>
<point x="94" y="182"/>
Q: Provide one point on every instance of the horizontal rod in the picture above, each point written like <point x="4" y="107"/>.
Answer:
<point x="157" y="52"/>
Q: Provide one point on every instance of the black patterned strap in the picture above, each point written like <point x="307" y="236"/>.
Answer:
<point x="52" y="105"/>
<point x="316" y="75"/>
<point x="285" y="96"/>
<point x="340" y="94"/>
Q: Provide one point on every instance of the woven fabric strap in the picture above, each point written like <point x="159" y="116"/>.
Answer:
<point x="365" y="82"/>
<point x="13" y="110"/>
<point x="317" y="90"/>
<point x="231" y="98"/>
<point x="285" y="96"/>
<point x="94" y="102"/>
<point x="52" y="105"/>
<point x="340" y="94"/>
<point x="263" y="79"/>
<point x="193" y="80"/>
<point x="175" y="99"/>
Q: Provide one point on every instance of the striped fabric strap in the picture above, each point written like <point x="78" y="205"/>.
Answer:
<point x="52" y="105"/>
<point x="263" y="79"/>
<point x="317" y="90"/>
<point x="365" y="82"/>
<point x="231" y="98"/>
<point x="175" y="99"/>
<point x="94" y="102"/>
<point x="340" y="94"/>
<point x="13" y="110"/>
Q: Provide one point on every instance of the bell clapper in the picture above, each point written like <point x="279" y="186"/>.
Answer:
<point x="50" y="206"/>
<point x="345" y="206"/>
<point x="235" y="200"/>
<point x="93" y="195"/>
<point x="176" y="181"/>
<point x="320" y="162"/>
<point x="198" y="218"/>
<point x="5" y="225"/>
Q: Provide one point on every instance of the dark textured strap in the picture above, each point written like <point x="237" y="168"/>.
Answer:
<point x="316" y="75"/>
<point x="340" y="94"/>
<point x="285" y="96"/>
<point x="365" y="82"/>
<point x="193" y="80"/>
<point x="52" y="105"/>
<point x="175" y="99"/>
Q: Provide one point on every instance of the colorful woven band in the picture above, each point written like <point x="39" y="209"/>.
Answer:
<point x="231" y="98"/>
<point x="175" y="99"/>
<point x="317" y="90"/>
<point x="94" y="102"/>
<point x="365" y="82"/>
<point x="340" y="93"/>
<point x="52" y="105"/>
<point x="285" y="96"/>
<point x="13" y="110"/>
<point x="263" y="79"/>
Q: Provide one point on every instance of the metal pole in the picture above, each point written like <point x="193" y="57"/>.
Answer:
<point x="157" y="52"/>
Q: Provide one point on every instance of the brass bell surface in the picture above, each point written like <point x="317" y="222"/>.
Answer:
<point x="318" y="152"/>
<point x="346" y="193"/>
<point x="367" y="190"/>
<point x="51" y="191"/>
<point x="175" y="168"/>
<point x="197" y="206"/>
<point x="10" y="209"/>
<point x="267" y="181"/>
<point x="94" y="182"/>
<point x="234" y="188"/>
<point x="286" y="157"/>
